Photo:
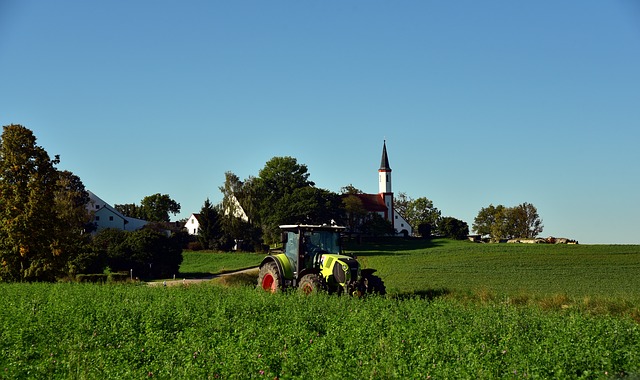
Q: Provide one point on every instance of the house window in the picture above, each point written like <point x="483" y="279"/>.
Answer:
<point x="97" y="218"/>
<point x="193" y="221"/>
<point x="111" y="218"/>
<point x="97" y="207"/>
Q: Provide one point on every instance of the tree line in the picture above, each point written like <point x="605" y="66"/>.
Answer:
<point x="252" y="209"/>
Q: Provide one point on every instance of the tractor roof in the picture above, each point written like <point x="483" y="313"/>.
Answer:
<point x="311" y="227"/>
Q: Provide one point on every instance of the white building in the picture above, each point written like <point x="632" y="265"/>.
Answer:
<point x="106" y="216"/>
<point x="193" y="224"/>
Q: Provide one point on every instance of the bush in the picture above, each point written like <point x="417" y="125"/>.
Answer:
<point x="194" y="246"/>
<point x="149" y="253"/>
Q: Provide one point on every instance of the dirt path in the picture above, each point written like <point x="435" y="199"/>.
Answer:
<point x="187" y="281"/>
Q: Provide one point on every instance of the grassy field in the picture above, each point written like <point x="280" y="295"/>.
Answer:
<point x="204" y="263"/>
<point x="594" y="278"/>
<point x="456" y="310"/>
<point x="510" y="269"/>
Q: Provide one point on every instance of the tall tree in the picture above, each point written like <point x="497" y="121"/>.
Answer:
<point x="39" y="209"/>
<point x="73" y="221"/>
<point x="274" y="188"/>
<point x="210" y="230"/>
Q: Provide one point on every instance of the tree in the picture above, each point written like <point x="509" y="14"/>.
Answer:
<point x="156" y="208"/>
<point x="489" y="221"/>
<point x="354" y="210"/>
<point x="500" y="222"/>
<point x="210" y="233"/>
<point x="350" y="190"/>
<point x="453" y="228"/>
<point x="40" y="217"/>
<point x="377" y="226"/>
<point x="401" y="203"/>
<point x="74" y="223"/>
<point x="148" y="253"/>
<point x="131" y="210"/>
<point x="153" y="208"/>
<point x="421" y="211"/>
<point x="274" y="189"/>
<point x="524" y="221"/>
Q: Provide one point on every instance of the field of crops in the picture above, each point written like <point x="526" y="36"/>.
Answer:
<point x="441" y="321"/>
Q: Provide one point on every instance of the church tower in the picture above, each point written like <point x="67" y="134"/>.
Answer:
<point x="384" y="183"/>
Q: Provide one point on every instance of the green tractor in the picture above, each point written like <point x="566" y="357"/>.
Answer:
<point x="313" y="261"/>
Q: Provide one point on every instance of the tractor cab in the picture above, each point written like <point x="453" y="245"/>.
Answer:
<point x="304" y="245"/>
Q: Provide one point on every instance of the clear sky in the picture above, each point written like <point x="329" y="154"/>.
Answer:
<point x="480" y="102"/>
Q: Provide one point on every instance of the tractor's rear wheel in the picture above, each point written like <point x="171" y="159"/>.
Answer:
<point x="311" y="283"/>
<point x="269" y="278"/>
<point x="374" y="285"/>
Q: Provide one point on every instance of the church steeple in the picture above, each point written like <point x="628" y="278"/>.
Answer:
<point x="384" y="173"/>
<point x="384" y="162"/>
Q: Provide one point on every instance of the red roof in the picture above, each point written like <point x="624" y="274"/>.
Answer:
<point x="372" y="202"/>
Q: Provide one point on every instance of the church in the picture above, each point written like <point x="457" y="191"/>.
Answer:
<point x="382" y="203"/>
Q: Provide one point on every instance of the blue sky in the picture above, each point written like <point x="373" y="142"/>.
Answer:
<point x="480" y="102"/>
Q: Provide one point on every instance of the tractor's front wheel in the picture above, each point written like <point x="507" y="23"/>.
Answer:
<point x="269" y="278"/>
<point x="311" y="283"/>
<point x="374" y="285"/>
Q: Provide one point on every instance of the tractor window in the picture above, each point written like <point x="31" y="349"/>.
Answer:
<point x="318" y="241"/>
<point x="291" y="248"/>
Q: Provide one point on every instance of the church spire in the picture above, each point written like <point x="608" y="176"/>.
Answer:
<point x="384" y="173"/>
<point x="384" y="162"/>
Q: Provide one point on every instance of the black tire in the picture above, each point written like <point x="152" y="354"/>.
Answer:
<point x="311" y="283"/>
<point x="374" y="285"/>
<point x="269" y="278"/>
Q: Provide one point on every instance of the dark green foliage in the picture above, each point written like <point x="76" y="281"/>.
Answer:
<point x="149" y="253"/>
<point x="424" y="230"/>
<point x="377" y="226"/>
<point x="43" y="220"/>
<point x="210" y="230"/>
<point x="153" y="208"/>
<point x="453" y="228"/>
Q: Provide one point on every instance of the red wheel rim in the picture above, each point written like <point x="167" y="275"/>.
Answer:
<point x="307" y="289"/>
<point x="268" y="283"/>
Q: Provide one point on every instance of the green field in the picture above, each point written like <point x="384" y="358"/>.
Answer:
<point x="203" y="264"/>
<point x="538" y="270"/>
<point x="455" y="310"/>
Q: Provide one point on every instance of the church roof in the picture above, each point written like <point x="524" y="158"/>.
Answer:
<point x="384" y="162"/>
<point x="372" y="202"/>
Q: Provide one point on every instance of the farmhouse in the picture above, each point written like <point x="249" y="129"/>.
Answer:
<point x="193" y="224"/>
<point x="106" y="216"/>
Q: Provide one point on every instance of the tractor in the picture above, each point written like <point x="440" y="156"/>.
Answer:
<point x="312" y="261"/>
